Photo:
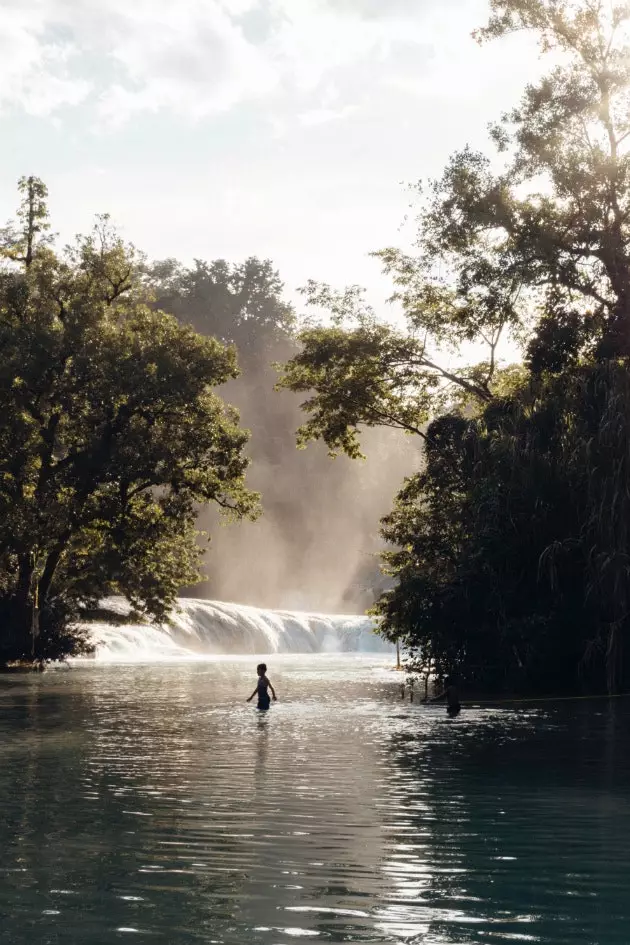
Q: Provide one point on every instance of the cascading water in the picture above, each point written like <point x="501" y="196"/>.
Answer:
<point x="211" y="628"/>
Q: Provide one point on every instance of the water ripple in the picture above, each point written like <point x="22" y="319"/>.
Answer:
<point x="150" y="804"/>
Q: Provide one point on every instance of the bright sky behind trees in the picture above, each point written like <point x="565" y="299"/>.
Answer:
<point x="282" y="128"/>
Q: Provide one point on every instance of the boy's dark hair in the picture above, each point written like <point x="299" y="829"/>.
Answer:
<point x="261" y="668"/>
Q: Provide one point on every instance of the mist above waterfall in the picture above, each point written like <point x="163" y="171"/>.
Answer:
<point x="316" y="545"/>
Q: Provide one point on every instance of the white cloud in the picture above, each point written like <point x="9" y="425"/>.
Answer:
<point x="316" y="39"/>
<point x="322" y="116"/>
<point x="192" y="57"/>
<point x="34" y="67"/>
<point x="459" y="70"/>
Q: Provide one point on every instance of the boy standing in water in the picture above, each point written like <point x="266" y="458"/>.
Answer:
<point x="261" y="688"/>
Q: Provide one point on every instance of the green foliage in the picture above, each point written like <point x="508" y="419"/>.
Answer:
<point x="18" y="240"/>
<point x="509" y="550"/>
<point x="512" y="546"/>
<point x="535" y="242"/>
<point x="110" y="437"/>
<point x="360" y="371"/>
<point x="238" y="304"/>
<point x="363" y="376"/>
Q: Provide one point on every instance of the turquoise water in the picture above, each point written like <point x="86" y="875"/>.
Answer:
<point x="151" y="804"/>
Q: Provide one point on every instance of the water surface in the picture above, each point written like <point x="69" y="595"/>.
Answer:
<point x="151" y="804"/>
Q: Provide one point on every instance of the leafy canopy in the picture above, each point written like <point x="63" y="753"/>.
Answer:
<point x="239" y="304"/>
<point x="533" y="242"/>
<point x="510" y="550"/>
<point x="110" y="432"/>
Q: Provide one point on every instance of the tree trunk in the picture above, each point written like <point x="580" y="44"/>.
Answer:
<point x="17" y="641"/>
<point x="52" y="561"/>
<point x="30" y="227"/>
<point x="616" y="340"/>
<point x="26" y="568"/>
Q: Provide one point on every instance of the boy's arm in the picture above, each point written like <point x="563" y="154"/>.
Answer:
<point x="273" y="692"/>
<point x="253" y="694"/>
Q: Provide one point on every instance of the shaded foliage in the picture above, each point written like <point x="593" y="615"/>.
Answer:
<point x="512" y="552"/>
<point x="239" y="304"/>
<point x="110" y="436"/>
<point x="509" y="550"/>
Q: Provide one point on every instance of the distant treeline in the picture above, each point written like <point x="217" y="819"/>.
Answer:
<point x="316" y="545"/>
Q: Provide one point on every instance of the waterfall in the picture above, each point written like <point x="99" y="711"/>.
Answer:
<point x="199" y="628"/>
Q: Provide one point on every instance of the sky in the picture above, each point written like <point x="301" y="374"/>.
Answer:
<point x="287" y="129"/>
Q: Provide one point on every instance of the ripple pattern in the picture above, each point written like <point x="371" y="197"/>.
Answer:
<point x="151" y="804"/>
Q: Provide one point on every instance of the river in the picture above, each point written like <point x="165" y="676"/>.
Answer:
<point x="149" y="803"/>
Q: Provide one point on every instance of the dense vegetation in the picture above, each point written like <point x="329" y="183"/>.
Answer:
<point x="110" y="436"/>
<point x="511" y="549"/>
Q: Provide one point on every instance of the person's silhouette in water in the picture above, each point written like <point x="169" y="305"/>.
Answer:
<point x="450" y="695"/>
<point x="261" y="688"/>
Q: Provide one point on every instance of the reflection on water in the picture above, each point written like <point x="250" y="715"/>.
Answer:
<point x="152" y="804"/>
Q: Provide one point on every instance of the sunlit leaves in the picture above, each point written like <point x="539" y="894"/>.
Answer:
<point x="509" y="552"/>
<point x="110" y="432"/>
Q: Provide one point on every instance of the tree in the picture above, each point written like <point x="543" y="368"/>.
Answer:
<point x="239" y="304"/>
<point x="543" y="241"/>
<point x="110" y="436"/>
<point x="242" y="305"/>
<point x="510" y="549"/>
<point x="19" y="239"/>
<point x="567" y="239"/>
<point x="360" y="371"/>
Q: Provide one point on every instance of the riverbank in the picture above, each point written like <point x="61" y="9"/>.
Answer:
<point x="23" y="666"/>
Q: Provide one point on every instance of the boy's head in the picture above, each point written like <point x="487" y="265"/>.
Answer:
<point x="261" y="669"/>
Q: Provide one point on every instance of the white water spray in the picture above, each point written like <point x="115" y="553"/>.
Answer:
<point x="201" y="628"/>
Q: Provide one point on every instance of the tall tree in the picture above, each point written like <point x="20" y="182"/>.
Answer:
<point x="240" y="304"/>
<point x="110" y="436"/>
<point x="539" y="247"/>
<point x="511" y="548"/>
